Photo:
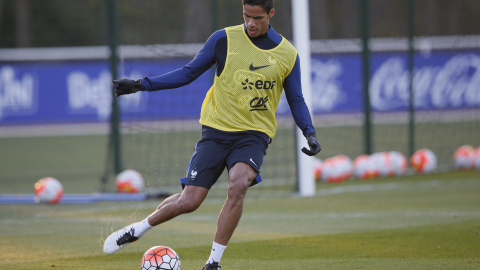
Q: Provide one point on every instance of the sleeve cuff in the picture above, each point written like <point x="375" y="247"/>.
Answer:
<point x="309" y="130"/>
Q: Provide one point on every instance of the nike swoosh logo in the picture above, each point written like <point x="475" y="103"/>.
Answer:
<point x="252" y="68"/>
<point x="251" y="159"/>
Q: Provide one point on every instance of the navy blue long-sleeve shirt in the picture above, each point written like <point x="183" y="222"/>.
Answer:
<point x="215" y="52"/>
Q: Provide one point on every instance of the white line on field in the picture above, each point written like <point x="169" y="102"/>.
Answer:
<point x="376" y="187"/>
<point x="354" y="215"/>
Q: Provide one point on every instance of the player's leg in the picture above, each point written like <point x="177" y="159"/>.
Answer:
<point x="240" y="177"/>
<point x="206" y="165"/>
<point x="187" y="201"/>
<point x="243" y="163"/>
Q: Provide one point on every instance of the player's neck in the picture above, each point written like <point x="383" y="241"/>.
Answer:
<point x="262" y="36"/>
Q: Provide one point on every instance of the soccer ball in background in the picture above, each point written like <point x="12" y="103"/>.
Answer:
<point x="160" y="257"/>
<point x="465" y="157"/>
<point x="398" y="163"/>
<point x="337" y="169"/>
<point x="129" y="181"/>
<point x="391" y="163"/>
<point x="364" y="168"/>
<point x="48" y="190"/>
<point x="424" y="161"/>
<point x="382" y="163"/>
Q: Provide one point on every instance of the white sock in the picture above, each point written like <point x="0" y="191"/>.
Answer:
<point x="142" y="227"/>
<point x="217" y="253"/>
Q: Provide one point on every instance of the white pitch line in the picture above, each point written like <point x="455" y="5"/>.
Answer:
<point x="376" y="187"/>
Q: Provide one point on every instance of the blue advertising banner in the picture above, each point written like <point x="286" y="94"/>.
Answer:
<point x="80" y="91"/>
<point x="442" y="80"/>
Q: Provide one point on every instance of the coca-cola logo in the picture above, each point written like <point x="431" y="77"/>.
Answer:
<point x="455" y="84"/>
<point x="458" y="83"/>
<point x="327" y="91"/>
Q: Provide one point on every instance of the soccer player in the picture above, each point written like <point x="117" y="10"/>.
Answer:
<point x="253" y="66"/>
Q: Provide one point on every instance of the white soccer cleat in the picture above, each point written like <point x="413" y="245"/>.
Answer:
<point x="119" y="239"/>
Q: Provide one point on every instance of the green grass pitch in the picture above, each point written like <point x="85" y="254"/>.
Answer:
<point x="411" y="222"/>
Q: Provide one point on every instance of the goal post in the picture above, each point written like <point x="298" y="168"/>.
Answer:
<point x="301" y="39"/>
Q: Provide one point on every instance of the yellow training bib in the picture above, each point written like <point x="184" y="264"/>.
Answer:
<point x="246" y="94"/>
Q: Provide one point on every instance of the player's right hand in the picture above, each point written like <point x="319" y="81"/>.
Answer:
<point x="313" y="144"/>
<point x="125" y="86"/>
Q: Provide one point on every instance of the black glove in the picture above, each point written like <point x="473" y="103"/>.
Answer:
<point x="313" y="144"/>
<point x="126" y="86"/>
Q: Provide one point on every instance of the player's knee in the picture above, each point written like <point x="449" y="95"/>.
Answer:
<point x="189" y="205"/>
<point x="238" y="189"/>
<point x="240" y="177"/>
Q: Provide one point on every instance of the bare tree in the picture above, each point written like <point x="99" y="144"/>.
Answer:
<point x="427" y="17"/>
<point x="319" y="19"/>
<point x="350" y="17"/>
<point x="22" y="23"/>
<point x="453" y="22"/>
<point x="1" y="12"/>
<point x="197" y="21"/>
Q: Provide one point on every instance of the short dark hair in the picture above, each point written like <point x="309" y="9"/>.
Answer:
<point x="267" y="5"/>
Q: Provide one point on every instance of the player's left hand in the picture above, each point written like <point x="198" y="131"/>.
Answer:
<point x="125" y="86"/>
<point x="313" y="144"/>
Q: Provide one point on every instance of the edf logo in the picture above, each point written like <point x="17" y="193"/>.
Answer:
<point x="258" y="84"/>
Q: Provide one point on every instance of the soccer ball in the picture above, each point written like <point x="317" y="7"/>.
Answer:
<point x="160" y="258"/>
<point x="48" y="190"/>
<point x="364" y="167"/>
<point x="382" y="163"/>
<point x="389" y="163"/>
<point x="337" y="169"/>
<point x="398" y="163"/>
<point x="129" y="181"/>
<point x="464" y="157"/>
<point x="424" y="161"/>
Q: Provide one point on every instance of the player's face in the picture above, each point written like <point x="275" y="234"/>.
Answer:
<point x="256" y="19"/>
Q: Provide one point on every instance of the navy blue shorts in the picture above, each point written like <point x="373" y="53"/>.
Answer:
<point x="218" y="150"/>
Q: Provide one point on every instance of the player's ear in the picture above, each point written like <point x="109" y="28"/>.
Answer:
<point x="271" y="13"/>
